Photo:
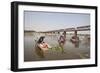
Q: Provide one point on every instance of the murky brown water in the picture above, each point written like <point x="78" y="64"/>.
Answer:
<point x="79" y="50"/>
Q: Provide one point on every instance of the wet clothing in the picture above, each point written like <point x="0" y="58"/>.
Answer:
<point x="62" y="39"/>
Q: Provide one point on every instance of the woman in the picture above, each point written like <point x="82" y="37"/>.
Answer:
<point x="42" y="45"/>
<point x="62" y="41"/>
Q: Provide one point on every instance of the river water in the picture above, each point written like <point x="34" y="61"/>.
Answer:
<point x="72" y="51"/>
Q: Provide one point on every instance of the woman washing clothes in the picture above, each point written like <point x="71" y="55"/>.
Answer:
<point x="62" y="40"/>
<point x="42" y="45"/>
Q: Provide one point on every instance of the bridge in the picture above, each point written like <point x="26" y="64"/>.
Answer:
<point x="80" y="28"/>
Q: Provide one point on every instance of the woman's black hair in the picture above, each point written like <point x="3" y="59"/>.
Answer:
<point x="41" y="39"/>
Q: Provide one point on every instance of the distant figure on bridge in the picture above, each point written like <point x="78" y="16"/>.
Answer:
<point x="62" y="40"/>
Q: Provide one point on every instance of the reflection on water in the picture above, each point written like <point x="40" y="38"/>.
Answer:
<point x="76" y="44"/>
<point x="79" y="50"/>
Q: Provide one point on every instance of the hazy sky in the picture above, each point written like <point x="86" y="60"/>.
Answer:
<point x="46" y="21"/>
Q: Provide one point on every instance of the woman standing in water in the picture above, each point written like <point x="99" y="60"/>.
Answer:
<point x="62" y="40"/>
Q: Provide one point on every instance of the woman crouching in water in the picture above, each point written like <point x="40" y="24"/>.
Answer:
<point x="42" y="45"/>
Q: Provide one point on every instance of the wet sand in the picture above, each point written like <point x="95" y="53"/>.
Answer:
<point x="79" y="50"/>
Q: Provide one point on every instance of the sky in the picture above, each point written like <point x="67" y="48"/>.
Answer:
<point x="46" y="21"/>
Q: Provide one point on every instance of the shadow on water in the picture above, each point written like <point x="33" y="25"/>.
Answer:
<point x="76" y="44"/>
